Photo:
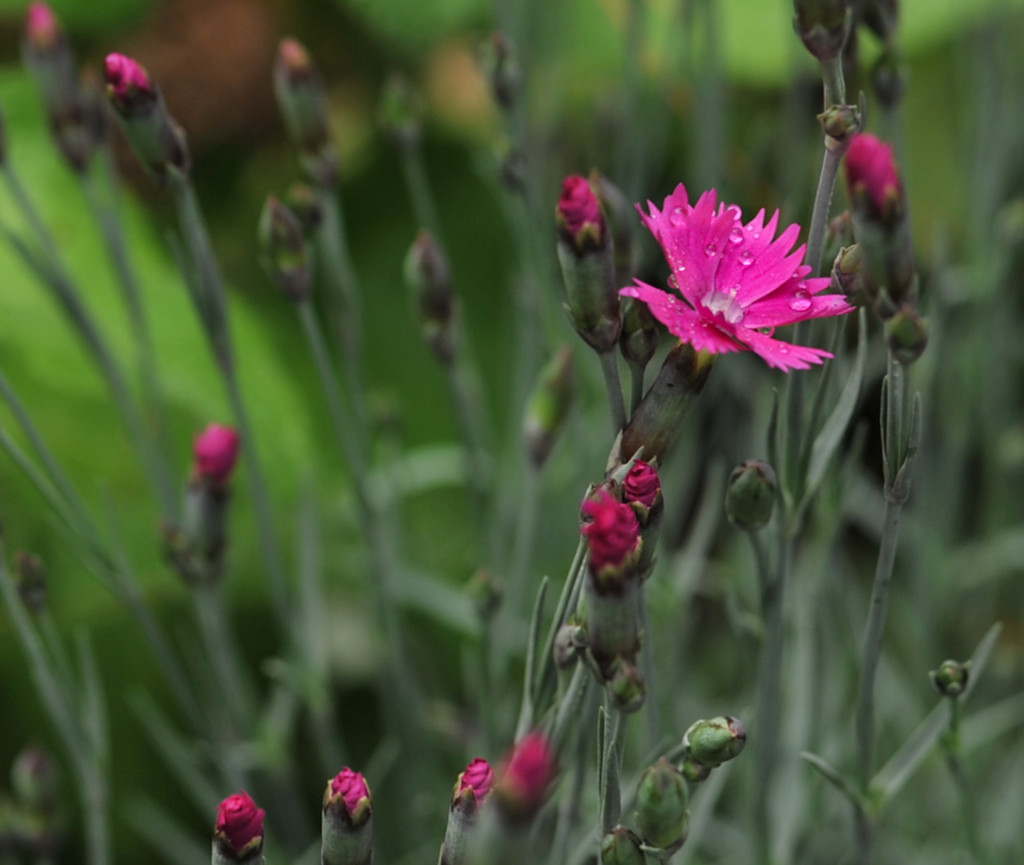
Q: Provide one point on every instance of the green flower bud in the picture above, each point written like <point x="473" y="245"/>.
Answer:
<point x="694" y="772"/>
<point x="627" y="686"/>
<point x="847" y="278"/>
<point x="656" y="421"/>
<point x="822" y="26"/>
<point x="951" y="678"/>
<point x="661" y="807"/>
<point x="840" y="123"/>
<point x="548" y="406"/>
<point x="639" y="338"/>
<point x="621" y="847"/>
<point x="286" y="254"/>
<point x="716" y="741"/>
<point x="305" y="202"/>
<point x="429" y="279"/>
<point x="400" y="112"/>
<point x="302" y="100"/>
<point x="568" y="642"/>
<point x="750" y="497"/>
<point x="908" y="335"/>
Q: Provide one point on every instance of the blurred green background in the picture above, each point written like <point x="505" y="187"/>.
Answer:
<point x="726" y="97"/>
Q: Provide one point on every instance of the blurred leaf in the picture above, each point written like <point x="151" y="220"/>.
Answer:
<point x="834" y="778"/>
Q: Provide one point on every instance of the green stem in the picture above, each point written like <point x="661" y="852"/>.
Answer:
<point x="222" y="654"/>
<point x="769" y="697"/>
<point x="462" y="380"/>
<point x="610" y="371"/>
<point x="834" y="86"/>
<point x="954" y="761"/>
<point x="546" y="678"/>
<point x="419" y="189"/>
<point x="636" y="387"/>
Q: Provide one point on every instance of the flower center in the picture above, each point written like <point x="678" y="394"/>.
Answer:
<point x="724" y="303"/>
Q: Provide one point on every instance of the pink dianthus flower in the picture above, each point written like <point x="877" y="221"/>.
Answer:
<point x="737" y="282"/>
<point x="613" y="533"/>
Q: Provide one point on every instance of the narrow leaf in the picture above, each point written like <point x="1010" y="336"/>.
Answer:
<point x="834" y="778"/>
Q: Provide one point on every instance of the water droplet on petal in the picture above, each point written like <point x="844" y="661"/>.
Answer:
<point x="734" y="210"/>
<point x="735" y="289"/>
<point x="783" y="350"/>
<point x="677" y="217"/>
<point x="801" y="302"/>
<point x="736" y="235"/>
<point x="711" y="249"/>
<point x="767" y="331"/>
<point x="672" y="281"/>
<point x="746" y="258"/>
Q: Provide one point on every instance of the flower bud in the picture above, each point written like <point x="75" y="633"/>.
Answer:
<point x="846" y="275"/>
<point x="585" y="254"/>
<point x="216" y="450"/>
<point x="716" y="741"/>
<point x="613" y="535"/>
<point x="750" y="496"/>
<point x="429" y="279"/>
<point x="694" y="772"/>
<point x="347" y="821"/>
<point x="485" y="591"/>
<point x="882" y="17"/>
<point x="951" y="678"/>
<point x="657" y="419"/>
<point x="157" y="140"/>
<point x="639" y="338"/>
<point x="238" y="834"/>
<point x="286" y="254"/>
<point x="400" y="112"/>
<point x="621" y="847"/>
<point x="642" y="488"/>
<point x="305" y="202"/>
<point x="840" y="123"/>
<point x="873" y="180"/>
<point x="35" y="780"/>
<point x="548" y="407"/>
<point x="627" y="686"/>
<point x="302" y="100"/>
<point x="525" y="778"/>
<point x="471" y="789"/>
<point x="502" y="70"/>
<point x="889" y="78"/>
<point x="31" y="580"/>
<point x="661" y="807"/>
<point x="568" y="642"/>
<point x="822" y="26"/>
<point x="908" y="335"/>
<point x="621" y="216"/>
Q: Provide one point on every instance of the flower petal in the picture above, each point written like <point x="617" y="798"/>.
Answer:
<point x="779" y="354"/>
<point x="787" y="307"/>
<point x="682" y="321"/>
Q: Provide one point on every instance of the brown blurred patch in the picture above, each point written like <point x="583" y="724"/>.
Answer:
<point x="212" y="59"/>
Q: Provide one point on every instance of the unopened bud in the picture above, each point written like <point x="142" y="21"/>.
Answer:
<point x="840" y="123"/>
<point x="569" y="640"/>
<point x="951" y="678"/>
<point x="525" y="778"/>
<point x="639" y="338"/>
<point x="305" y="202"/>
<point x="585" y="254"/>
<point x="621" y="215"/>
<point x="846" y="275"/>
<point x="346" y="836"/>
<point x="502" y="70"/>
<point x="287" y="255"/>
<point x="215" y="450"/>
<point x="882" y="17"/>
<point x="627" y="686"/>
<point x="908" y="335"/>
<point x="822" y="26"/>
<point x="429" y="279"/>
<point x="35" y="779"/>
<point x="156" y="138"/>
<point x="656" y="421"/>
<point x="621" y="847"/>
<point x="400" y="112"/>
<point x="548" y="407"/>
<point x="471" y="790"/>
<point x="32" y="584"/>
<point x="716" y="741"/>
<point x="302" y="100"/>
<point x="661" y="807"/>
<point x="693" y="771"/>
<point x="750" y="496"/>
<point x="889" y="78"/>
<point x="238" y="834"/>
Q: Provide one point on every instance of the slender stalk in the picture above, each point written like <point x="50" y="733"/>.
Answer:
<point x="466" y="399"/>
<point x="954" y="761"/>
<point x="648" y="668"/>
<point x="222" y="654"/>
<point x="610" y="371"/>
<point x="636" y="387"/>
<point x="833" y="83"/>
<point x="823" y="203"/>
<point x="419" y="189"/>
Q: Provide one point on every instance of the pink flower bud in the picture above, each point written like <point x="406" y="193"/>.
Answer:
<point x="642" y="484"/>
<point x="579" y="214"/>
<point x="525" y="776"/>
<point x="294" y="59"/>
<point x="215" y="450"/>
<point x="352" y="789"/>
<point x="239" y="824"/>
<point x="870" y="166"/>
<point x="126" y="80"/>
<point x="41" y="26"/>
<point x="612" y="534"/>
<point x="477" y="778"/>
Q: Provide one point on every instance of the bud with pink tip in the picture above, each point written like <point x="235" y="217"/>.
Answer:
<point x="216" y="451"/>
<point x="302" y="100"/>
<point x="472" y="788"/>
<point x="585" y="252"/>
<point x="347" y="821"/>
<point x="612" y="534"/>
<point x="525" y="778"/>
<point x="155" y="137"/>
<point x="238" y="834"/>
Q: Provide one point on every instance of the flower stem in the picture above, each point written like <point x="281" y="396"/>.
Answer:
<point x="610" y="371"/>
<point x="954" y="761"/>
<point x="636" y="387"/>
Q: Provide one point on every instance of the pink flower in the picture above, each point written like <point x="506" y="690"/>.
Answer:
<point x="526" y="775"/>
<point x="215" y="450"/>
<point x="642" y="484"/>
<point x="41" y="26"/>
<point x="870" y="167"/>
<point x="126" y="79"/>
<point x="477" y="777"/>
<point x="738" y="282"/>
<point x="613" y="533"/>
<point x="240" y="822"/>
<point x="351" y="787"/>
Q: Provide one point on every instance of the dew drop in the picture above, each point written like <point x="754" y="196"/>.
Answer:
<point x="672" y="281"/>
<point x="711" y="249"/>
<point x="746" y="258"/>
<point x="783" y="350"/>
<point x="801" y="302"/>
<point x="734" y="210"/>
<point x="676" y="217"/>
<point x="736" y="235"/>
<point x="767" y="331"/>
